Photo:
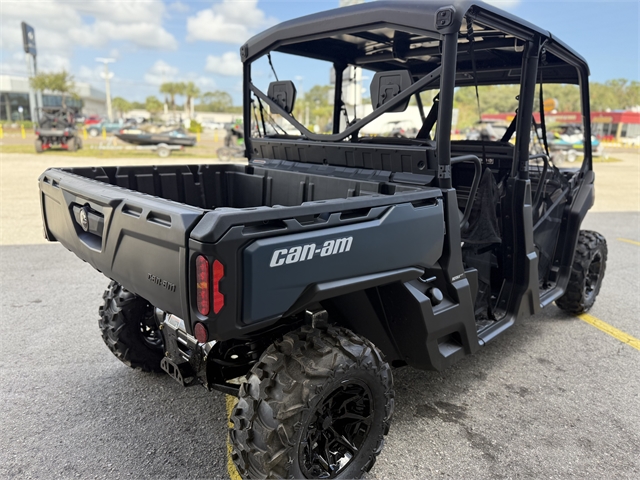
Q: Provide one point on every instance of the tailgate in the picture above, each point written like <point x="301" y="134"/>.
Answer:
<point x="136" y="239"/>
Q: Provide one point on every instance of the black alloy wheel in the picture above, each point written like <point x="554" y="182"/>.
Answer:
<point x="317" y="404"/>
<point x="587" y="272"/>
<point x="130" y="330"/>
<point x="337" y="431"/>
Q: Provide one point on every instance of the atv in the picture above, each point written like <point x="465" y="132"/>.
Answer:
<point x="57" y="128"/>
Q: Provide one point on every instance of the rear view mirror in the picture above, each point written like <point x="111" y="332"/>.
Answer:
<point x="284" y="94"/>
<point x="387" y="85"/>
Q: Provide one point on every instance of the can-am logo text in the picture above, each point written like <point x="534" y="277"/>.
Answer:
<point x="307" y="252"/>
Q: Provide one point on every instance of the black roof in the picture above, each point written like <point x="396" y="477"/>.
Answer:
<point x="363" y="35"/>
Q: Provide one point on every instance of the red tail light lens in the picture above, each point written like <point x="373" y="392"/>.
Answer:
<point x="218" y="298"/>
<point x="202" y="287"/>
<point x="201" y="333"/>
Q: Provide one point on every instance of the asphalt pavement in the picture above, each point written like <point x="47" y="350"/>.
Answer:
<point x="553" y="397"/>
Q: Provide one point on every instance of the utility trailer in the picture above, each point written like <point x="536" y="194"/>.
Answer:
<point x="162" y="149"/>
<point x="328" y="259"/>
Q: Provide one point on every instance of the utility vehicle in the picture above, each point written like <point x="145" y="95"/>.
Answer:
<point x="330" y="258"/>
<point x="57" y="128"/>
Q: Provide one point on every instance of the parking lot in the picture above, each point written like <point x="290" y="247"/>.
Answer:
<point x="554" y="397"/>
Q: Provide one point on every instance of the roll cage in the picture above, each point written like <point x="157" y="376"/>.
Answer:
<point x="442" y="45"/>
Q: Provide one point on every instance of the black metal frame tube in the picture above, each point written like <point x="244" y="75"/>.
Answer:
<point x="246" y="108"/>
<point x="337" y="97"/>
<point x="528" y="82"/>
<point x="445" y="110"/>
<point x="586" y="121"/>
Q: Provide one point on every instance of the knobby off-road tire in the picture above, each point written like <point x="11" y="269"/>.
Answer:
<point x="39" y="148"/>
<point x="316" y="405"/>
<point x="129" y="329"/>
<point x="72" y="146"/>
<point x="587" y="272"/>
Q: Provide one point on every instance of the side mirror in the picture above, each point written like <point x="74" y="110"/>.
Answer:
<point x="387" y="85"/>
<point x="284" y="94"/>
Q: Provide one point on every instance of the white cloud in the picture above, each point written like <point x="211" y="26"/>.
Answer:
<point x="89" y="23"/>
<point x="504" y="4"/>
<point x="230" y="22"/>
<point x="54" y="63"/>
<point x="228" y="64"/>
<point x="205" y="83"/>
<point x="161" y="72"/>
<point x="179" y="7"/>
<point x="142" y="34"/>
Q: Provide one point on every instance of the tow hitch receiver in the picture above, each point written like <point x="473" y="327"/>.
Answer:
<point x="184" y="357"/>
<point x="177" y="373"/>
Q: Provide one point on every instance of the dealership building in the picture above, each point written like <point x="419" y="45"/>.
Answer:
<point x="14" y="94"/>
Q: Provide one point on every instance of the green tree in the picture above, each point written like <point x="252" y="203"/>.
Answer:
<point x="153" y="105"/>
<point x="121" y="105"/>
<point x="316" y="99"/>
<point x="172" y="89"/>
<point x="56" y="82"/>
<point x="216" y="101"/>
<point x="191" y="91"/>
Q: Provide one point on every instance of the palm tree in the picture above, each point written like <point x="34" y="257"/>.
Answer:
<point x="172" y="89"/>
<point x="191" y="91"/>
<point x="121" y="105"/>
<point x="61" y="82"/>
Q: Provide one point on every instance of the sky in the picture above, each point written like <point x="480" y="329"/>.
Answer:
<point x="154" y="41"/>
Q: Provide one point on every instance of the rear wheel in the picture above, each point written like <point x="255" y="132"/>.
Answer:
<point x="224" y="154"/>
<point x="129" y="329"/>
<point x="316" y="405"/>
<point x="39" y="148"/>
<point x="587" y="272"/>
<point x="71" y="145"/>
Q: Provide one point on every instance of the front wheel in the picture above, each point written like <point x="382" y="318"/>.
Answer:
<point x="587" y="272"/>
<point x="129" y="329"/>
<point x="317" y="405"/>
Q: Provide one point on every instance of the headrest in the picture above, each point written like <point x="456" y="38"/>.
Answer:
<point x="284" y="94"/>
<point x="386" y="85"/>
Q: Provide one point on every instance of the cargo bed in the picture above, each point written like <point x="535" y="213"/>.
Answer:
<point x="134" y="224"/>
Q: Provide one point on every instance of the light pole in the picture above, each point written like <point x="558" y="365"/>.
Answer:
<point x="107" y="75"/>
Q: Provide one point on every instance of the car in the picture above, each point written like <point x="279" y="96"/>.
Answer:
<point x="300" y="280"/>
<point x="92" y="120"/>
<point x="108" y="127"/>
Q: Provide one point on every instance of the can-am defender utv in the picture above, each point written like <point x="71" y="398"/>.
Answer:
<point x="331" y="257"/>
<point x="57" y="128"/>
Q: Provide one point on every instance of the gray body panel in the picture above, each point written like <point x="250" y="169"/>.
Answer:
<point x="277" y="270"/>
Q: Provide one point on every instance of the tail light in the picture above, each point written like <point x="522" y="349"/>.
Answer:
<point x="218" y="298"/>
<point x="201" y="333"/>
<point x="202" y="285"/>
